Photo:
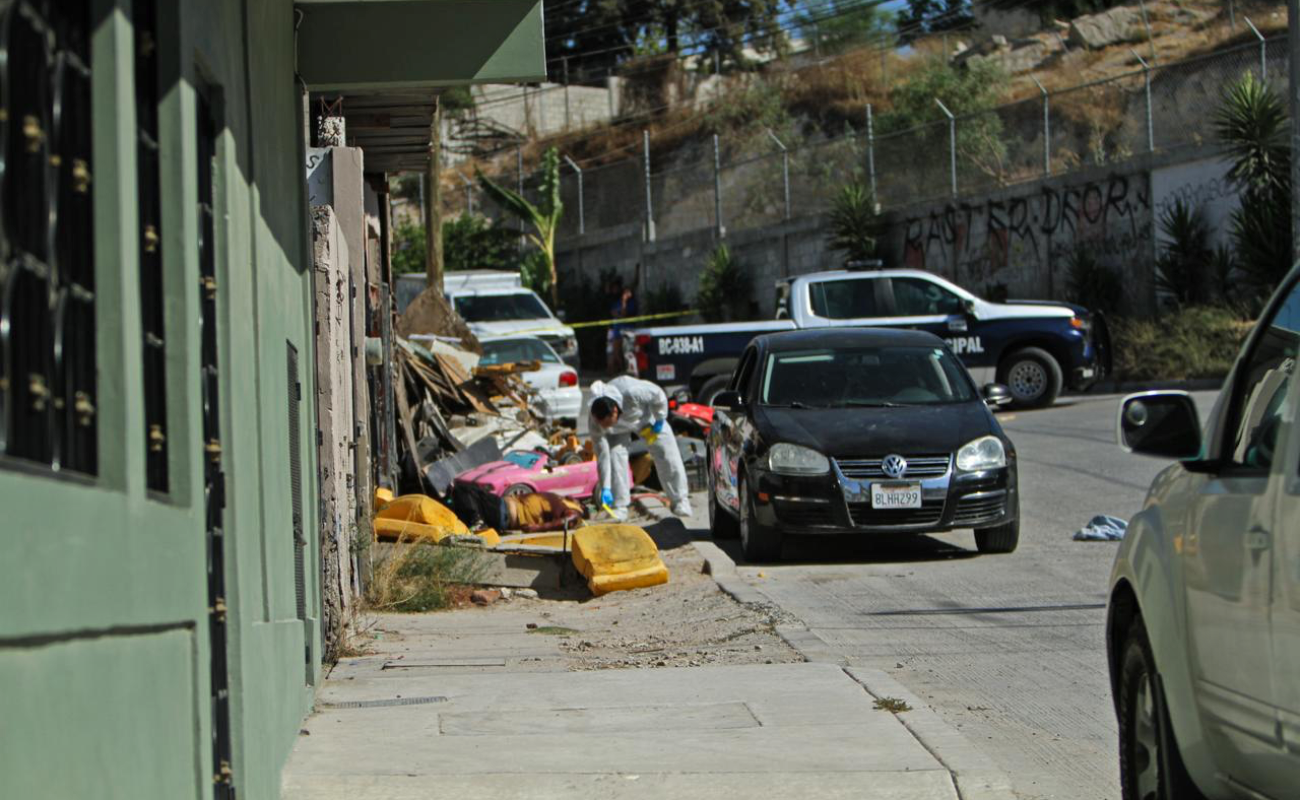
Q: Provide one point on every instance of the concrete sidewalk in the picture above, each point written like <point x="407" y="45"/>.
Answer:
<point x="450" y="707"/>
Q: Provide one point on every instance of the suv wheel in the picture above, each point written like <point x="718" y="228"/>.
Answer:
<point x="757" y="542"/>
<point x="711" y="388"/>
<point x="1033" y="376"/>
<point x="1150" y="766"/>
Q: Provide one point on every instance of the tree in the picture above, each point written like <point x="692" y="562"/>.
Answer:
<point x="967" y="93"/>
<point x="1182" y="269"/>
<point x="544" y="216"/>
<point x="843" y="24"/>
<point x="410" y="248"/>
<point x="854" y="223"/>
<point x="473" y="242"/>
<point x="1252" y="122"/>
<point x="924" y="17"/>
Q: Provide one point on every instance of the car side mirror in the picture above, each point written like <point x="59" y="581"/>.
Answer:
<point x="729" y="401"/>
<point x="1161" y="424"/>
<point x="995" y="394"/>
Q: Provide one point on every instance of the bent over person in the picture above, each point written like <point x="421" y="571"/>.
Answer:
<point x="531" y="513"/>
<point x="620" y="408"/>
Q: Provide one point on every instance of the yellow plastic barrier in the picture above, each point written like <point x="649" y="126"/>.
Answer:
<point x="393" y="530"/>
<point x="617" y="557"/>
<point x="423" y="510"/>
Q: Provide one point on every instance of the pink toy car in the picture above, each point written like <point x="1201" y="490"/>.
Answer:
<point x="527" y="471"/>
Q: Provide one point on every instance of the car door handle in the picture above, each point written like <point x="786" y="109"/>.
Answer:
<point x="1258" y="539"/>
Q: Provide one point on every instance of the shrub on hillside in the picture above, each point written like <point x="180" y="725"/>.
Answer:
<point x="724" y="288"/>
<point x="1193" y="342"/>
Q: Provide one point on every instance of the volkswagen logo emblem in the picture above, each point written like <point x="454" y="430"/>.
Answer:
<point x="894" y="466"/>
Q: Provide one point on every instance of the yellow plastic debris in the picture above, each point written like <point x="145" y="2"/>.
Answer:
<point x="617" y="557"/>
<point x="383" y="497"/>
<point x="552" y="539"/>
<point x="415" y="516"/>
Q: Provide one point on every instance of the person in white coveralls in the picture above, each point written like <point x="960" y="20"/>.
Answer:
<point x="619" y="408"/>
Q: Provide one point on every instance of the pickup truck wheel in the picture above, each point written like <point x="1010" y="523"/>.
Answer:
<point x="722" y="524"/>
<point x="1150" y="765"/>
<point x="759" y="543"/>
<point x="1033" y="376"/>
<point x="1002" y="539"/>
<point x="711" y="388"/>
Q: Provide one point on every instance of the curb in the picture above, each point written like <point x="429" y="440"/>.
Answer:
<point x="972" y="774"/>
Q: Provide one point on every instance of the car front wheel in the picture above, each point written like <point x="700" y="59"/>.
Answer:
<point x="1001" y="539"/>
<point x="1150" y="766"/>
<point x="757" y="542"/>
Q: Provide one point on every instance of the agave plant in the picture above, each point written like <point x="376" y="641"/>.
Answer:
<point x="854" y="223"/>
<point x="724" y="288"/>
<point x="1252" y="122"/>
<point x="1181" y="268"/>
<point x="544" y="216"/>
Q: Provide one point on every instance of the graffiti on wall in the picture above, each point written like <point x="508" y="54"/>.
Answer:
<point x="1203" y="186"/>
<point x="1016" y="240"/>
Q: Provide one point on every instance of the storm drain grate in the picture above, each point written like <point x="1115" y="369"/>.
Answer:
<point x="396" y="701"/>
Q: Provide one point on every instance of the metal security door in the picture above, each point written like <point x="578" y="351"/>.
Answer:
<point x="214" y="479"/>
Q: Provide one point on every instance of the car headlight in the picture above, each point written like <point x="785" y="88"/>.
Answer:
<point x="986" y="452"/>
<point x="791" y="459"/>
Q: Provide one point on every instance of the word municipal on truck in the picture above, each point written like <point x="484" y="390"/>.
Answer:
<point x="965" y="344"/>
<point x="673" y="345"/>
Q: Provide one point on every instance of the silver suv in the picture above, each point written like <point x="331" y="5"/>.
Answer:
<point x="1203" y="628"/>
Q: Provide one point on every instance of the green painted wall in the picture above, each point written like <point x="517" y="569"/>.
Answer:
<point x="104" y="658"/>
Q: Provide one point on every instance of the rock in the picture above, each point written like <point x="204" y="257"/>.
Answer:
<point x="529" y="594"/>
<point x="506" y="593"/>
<point x="484" y="597"/>
<point x="999" y="41"/>
<point x="1116" y="26"/>
<point x="532" y="626"/>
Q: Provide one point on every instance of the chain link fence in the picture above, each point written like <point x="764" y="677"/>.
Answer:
<point x="761" y="180"/>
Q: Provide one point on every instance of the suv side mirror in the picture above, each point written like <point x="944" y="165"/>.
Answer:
<point x="1161" y="424"/>
<point x="729" y="401"/>
<point x="995" y="394"/>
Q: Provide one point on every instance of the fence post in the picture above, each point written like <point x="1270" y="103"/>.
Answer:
<point x="1146" y="23"/>
<point x="1232" y="15"/>
<point x="1263" y="53"/>
<point x="649" y="205"/>
<point x="717" y="189"/>
<point x="1047" y="129"/>
<point x="1146" y="80"/>
<point x="582" y="215"/>
<point x="952" y="143"/>
<point x="785" y="170"/>
<point x="609" y="91"/>
<point x="871" y="157"/>
<point x="519" y="186"/>
<point x="566" y="93"/>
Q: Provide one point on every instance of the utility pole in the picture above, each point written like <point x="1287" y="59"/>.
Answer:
<point x="1293" y="36"/>
<point x="433" y="204"/>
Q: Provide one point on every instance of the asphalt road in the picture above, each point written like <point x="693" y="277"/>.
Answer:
<point x="1008" y="649"/>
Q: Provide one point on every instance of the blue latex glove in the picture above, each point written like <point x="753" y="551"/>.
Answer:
<point x="658" y="427"/>
<point x="606" y="497"/>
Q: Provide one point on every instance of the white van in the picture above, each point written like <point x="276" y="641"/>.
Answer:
<point x="495" y="304"/>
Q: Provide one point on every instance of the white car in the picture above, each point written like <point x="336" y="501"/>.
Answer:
<point x="1203" y="624"/>
<point x="496" y="305"/>
<point x="556" y="383"/>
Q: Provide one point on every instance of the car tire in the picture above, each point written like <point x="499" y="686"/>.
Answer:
<point x="517" y="490"/>
<point x="711" y="389"/>
<point x="721" y="523"/>
<point x="1000" y="539"/>
<point x="1150" y="765"/>
<point x="757" y="542"/>
<point x="1034" y="377"/>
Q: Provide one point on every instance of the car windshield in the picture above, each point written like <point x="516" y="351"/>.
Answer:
<point x="865" y="376"/>
<point x="513" y="351"/>
<point x="522" y="458"/>
<point x="500" y="307"/>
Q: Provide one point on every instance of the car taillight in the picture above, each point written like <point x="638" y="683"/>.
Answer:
<point x="672" y="404"/>
<point x="642" y="358"/>
<point x="568" y="379"/>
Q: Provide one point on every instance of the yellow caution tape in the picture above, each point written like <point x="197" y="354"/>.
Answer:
<point x="602" y="322"/>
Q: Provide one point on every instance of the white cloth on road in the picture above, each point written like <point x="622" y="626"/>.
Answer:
<point x="641" y="404"/>
<point x="1102" y="528"/>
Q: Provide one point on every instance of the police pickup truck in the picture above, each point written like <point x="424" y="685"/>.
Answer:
<point x="1036" y="348"/>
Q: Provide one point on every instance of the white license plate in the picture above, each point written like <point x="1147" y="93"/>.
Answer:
<point x="895" y="495"/>
<point x="666" y="372"/>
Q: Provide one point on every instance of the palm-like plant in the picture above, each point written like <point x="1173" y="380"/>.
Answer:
<point x="854" y="222"/>
<point x="544" y="215"/>
<point x="1252" y="122"/>
<point x="1182" y="267"/>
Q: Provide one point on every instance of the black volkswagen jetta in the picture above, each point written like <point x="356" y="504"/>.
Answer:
<point x="858" y="431"/>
